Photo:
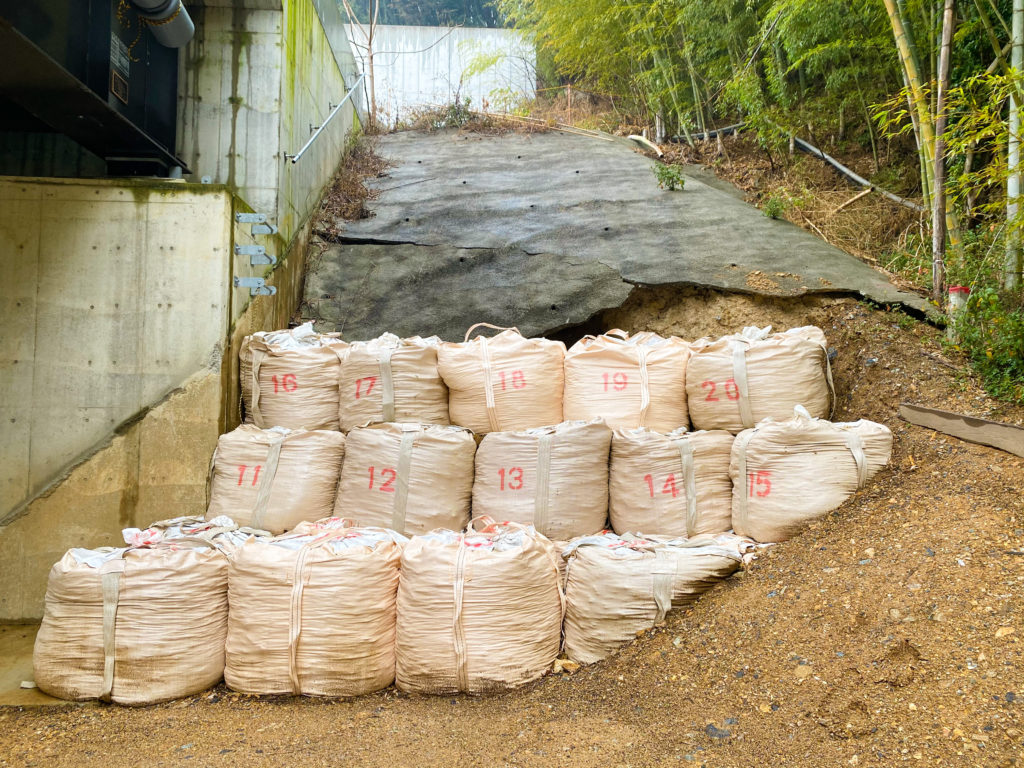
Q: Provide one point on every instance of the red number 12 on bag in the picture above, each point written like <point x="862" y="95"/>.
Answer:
<point x="387" y="475"/>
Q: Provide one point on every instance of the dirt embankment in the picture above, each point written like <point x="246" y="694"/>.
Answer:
<point x="888" y="632"/>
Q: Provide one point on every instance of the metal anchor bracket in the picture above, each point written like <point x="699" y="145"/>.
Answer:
<point x="258" y="221"/>
<point x="257" y="286"/>
<point x="251" y="218"/>
<point x="257" y="254"/>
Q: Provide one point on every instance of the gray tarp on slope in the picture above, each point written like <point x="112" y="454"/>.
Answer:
<point x="543" y="231"/>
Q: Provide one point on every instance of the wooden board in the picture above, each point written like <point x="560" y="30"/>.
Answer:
<point x="1006" y="437"/>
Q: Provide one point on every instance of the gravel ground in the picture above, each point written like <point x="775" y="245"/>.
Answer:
<point x="888" y="632"/>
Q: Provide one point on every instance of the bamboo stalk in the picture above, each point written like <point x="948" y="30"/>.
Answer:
<point x="939" y="205"/>
<point x="921" y="103"/>
<point x="855" y="198"/>
<point x="1014" y="261"/>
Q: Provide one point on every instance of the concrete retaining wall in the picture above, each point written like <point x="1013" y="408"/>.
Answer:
<point x="417" y="67"/>
<point x="112" y="296"/>
<point x="118" y="364"/>
<point x="115" y="303"/>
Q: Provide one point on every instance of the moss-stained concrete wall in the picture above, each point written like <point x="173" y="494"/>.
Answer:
<point x="312" y="80"/>
<point x="229" y="101"/>
<point x="257" y="76"/>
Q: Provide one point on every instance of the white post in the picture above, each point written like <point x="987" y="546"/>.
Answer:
<point x="1013" y="250"/>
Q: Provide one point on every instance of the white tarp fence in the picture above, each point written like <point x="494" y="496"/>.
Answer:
<point x="416" y="67"/>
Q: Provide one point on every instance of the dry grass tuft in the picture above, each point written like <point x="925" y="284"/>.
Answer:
<point x="345" y="199"/>
<point x="814" y="196"/>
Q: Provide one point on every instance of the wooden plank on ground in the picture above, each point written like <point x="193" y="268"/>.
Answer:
<point x="1005" y="437"/>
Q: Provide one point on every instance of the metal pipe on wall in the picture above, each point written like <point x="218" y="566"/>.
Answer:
<point x="168" y="20"/>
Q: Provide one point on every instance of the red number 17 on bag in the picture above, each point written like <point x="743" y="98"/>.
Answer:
<point x="760" y="483"/>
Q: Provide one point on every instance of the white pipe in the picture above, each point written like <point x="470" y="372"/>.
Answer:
<point x="168" y="20"/>
<point x="298" y="155"/>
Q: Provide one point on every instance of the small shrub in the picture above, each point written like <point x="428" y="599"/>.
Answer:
<point x="991" y="331"/>
<point x="669" y="177"/>
<point x="774" y="207"/>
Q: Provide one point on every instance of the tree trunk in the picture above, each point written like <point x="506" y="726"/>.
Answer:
<point x="1012" y="278"/>
<point x="939" y="198"/>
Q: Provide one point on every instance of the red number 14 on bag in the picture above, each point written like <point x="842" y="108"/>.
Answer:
<point x="668" y="488"/>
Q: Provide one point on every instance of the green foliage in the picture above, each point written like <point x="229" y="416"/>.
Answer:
<point x="773" y="207"/>
<point x="978" y="125"/>
<point x="669" y="177"/>
<point x="991" y="332"/>
<point x="454" y="115"/>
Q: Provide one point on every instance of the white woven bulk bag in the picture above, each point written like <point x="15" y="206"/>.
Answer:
<point x="618" y="586"/>
<point x="410" y="478"/>
<point x="323" y="525"/>
<point x="477" y="611"/>
<point x="553" y="478"/>
<point x="134" y="625"/>
<point x="736" y="381"/>
<point x="505" y="383"/>
<point x="672" y="485"/>
<point x="272" y="479"/>
<point x="786" y="473"/>
<point x="289" y="378"/>
<point x="222" y="531"/>
<point x="392" y="379"/>
<point x="313" y="613"/>
<point x="629" y="381"/>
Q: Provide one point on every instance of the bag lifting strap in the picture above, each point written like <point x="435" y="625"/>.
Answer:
<point x="663" y="576"/>
<point x="400" y="509"/>
<point x="300" y="578"/>
<point x="267" y="478"/>
<point x="459" y="631"/>
<point x="387" y="384"/>
<point x="258" y="356"/>
<point x="111" y="573"/>
<point x="492" y="413"/>
<point x="543" y="476"/>
<point x="686" y="460"/>
<point x="645" y="384"/>
<point x="739" y="375"/>
<point x="740" y="446"/>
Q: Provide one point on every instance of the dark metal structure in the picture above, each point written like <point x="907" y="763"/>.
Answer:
<point x="91" y="71"/>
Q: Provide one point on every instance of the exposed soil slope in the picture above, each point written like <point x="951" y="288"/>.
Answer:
<point x="888" y="632"/>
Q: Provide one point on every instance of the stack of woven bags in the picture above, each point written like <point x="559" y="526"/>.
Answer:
<point x="454" y="516"/>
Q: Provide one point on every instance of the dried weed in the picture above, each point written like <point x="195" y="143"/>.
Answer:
<point x="345" y="199"/>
